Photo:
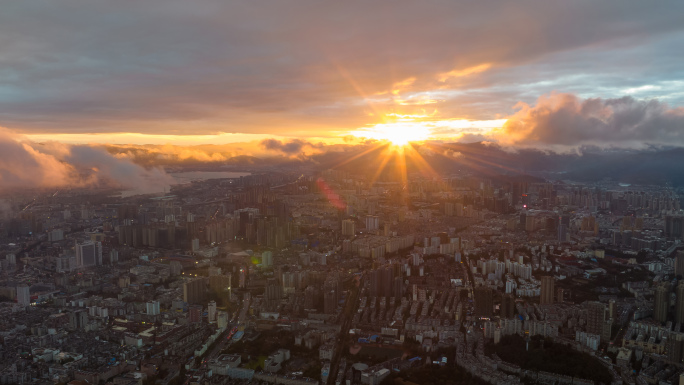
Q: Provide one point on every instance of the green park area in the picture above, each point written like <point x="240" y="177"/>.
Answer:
<point x="545" y="355"/>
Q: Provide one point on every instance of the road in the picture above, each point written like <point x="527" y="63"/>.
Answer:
<point x="222" y="341"/>
<point x="244" y="310"/>
<point x="350" y="306"/>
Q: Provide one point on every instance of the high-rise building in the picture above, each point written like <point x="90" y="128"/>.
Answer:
<point x="78" y="319"/>
<point x="195" y="291"/>
<point x="507" y="309"/>
<point x="560" y="294"/>
<point x="267" y="258"/>
<point x="372" y="222"/>
<point x="330" y="301"/>
<point x="65" y="263"/>
<point x="273" y="294"/>
<point x="23" y="295"/>
<point x="596" y="317"/>
<point x="152" y="308"/>
<point x="113" y="256"/>
<point x="675" y="345"/>
<point x="679" y="263"/>
<point x="563" y="226"/>
<point x="382" y="282"/>
<point x="211" y="311"/>
<point x="661" y="302"/>
<point x="547" y="290"/>
<point x="679" y="305"/>
<point x="222" y="320"/>
<point x="88" y="254"/>
<point x="674" y="226"/>
<point x="195" y="314"/>
<point x="348" y="228"/>
<point x="530" y="223"/>
<point x="484" y="302"/>
<point x="311" y="298"/>
<point x="398" y="289"/>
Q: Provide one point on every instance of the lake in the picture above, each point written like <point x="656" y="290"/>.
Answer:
<point x="180" y="178"/>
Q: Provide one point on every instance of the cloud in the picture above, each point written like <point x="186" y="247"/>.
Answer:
<point x="21" y="165"/>
<point x="240" y="153"/>
<point x="292" y="147"/>
<point x="25" y="164"/>
<point x="564" y="122"/>
<point x="452" y="154"/>
<point x="151" y="155"/>
<point x="458" y="73"/>
<point x="119" y="172"/>
<point x="171" y="66"/>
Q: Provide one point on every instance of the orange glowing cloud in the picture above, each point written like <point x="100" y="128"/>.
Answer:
<point x="458" y="73"/>
<point x="26" y="164"/>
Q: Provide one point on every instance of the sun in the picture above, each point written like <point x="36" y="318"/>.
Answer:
<point x="398" y="133"/>
<point x="402" y="137"/>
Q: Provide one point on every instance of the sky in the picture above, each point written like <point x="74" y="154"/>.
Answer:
<point x="554" y="75"/>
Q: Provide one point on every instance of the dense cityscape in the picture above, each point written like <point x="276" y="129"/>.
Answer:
<point x="387" y="192"/>
<point x="335" y="278"/>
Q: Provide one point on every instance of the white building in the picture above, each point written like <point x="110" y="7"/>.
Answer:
<point x="211" y="311"/>
<point x="88" y="254"/>
<point x="267" y="258"/>
<point x="153" y="308"/>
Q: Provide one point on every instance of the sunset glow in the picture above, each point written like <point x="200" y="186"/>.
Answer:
<point x="204" y="83"/>
<point x="400" y="134"/>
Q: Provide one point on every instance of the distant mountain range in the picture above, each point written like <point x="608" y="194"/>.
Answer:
<point x="650" y="166"/>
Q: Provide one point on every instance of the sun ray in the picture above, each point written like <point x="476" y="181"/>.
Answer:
<point x="401" y="164"/>
<point x="423" y="166"/>
<point x="355" y="85"/>
<point x="472" y="156"/>
<point x="384" y="162"/>
<point x="362" y="153"/>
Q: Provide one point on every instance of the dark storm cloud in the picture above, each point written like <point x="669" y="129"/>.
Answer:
<point x="299" y="67"/>
<point x="566" y="121"/>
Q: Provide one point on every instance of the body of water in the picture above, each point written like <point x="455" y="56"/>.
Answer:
<point x="189" y="176"/>
<point x="180" y="178"/>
